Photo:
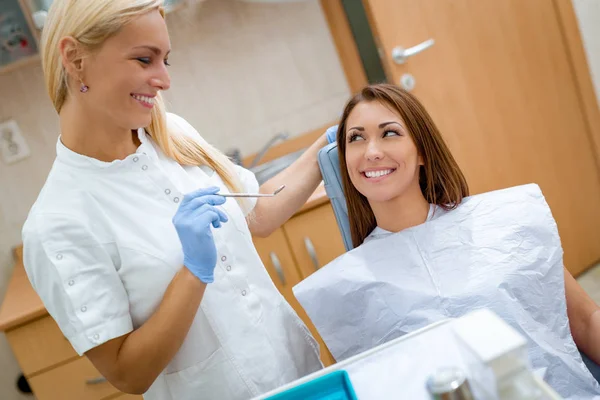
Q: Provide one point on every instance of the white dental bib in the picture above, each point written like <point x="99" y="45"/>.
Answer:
<point x="499" y="250"/>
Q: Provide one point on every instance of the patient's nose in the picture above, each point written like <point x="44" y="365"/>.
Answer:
<point x="373" y="151"/>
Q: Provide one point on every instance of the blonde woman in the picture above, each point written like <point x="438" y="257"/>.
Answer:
<point x="147" y="270"/>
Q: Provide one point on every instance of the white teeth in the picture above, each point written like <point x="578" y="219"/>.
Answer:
<point x="145" y="99"/>
<point x="377" y="174"/>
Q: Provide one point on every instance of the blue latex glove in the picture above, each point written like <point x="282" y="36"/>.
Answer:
<point x="193" y="220"/>
<point x="332" y="134"/>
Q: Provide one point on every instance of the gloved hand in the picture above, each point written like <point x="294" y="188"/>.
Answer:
<point x="332" y="134"/>
<point x="193" y="220"/>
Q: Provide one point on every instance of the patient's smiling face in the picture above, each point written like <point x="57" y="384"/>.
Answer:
<point x="382" y="158"/>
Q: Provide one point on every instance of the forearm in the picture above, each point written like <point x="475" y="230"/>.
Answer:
<point x="300" y="180"/>
<point x="584" y="318"/>
<point x="589" y="340"/>
<point x="147" y="351"/>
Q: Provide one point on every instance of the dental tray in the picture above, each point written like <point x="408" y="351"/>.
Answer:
<point x="333" y="386"/>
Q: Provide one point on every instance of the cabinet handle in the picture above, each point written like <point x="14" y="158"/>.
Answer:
<point x="312" y="252"/>
<point x="95" y="381"/>
<point x="277" y="264"/>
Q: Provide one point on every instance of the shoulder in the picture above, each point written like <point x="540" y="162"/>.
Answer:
<point x="179" y="125"/>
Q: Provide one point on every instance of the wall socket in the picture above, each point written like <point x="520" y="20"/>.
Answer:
<point x="12" y="143"/>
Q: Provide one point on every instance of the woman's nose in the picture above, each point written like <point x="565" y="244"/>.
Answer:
<point x="373" y="151"/>
<point x="162" y="80"/>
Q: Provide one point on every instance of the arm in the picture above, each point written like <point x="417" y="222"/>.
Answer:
<point x="132" y="362"/>
<point x="300" y="180"/>
<point x="584" y="318"/>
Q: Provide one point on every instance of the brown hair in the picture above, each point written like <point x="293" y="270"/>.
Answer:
<point x="441" y="180"/>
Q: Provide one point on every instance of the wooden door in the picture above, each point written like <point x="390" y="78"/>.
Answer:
<point x="500" y="85"/>
<point x="314" y="238"/>
<point x="279" y="262"/>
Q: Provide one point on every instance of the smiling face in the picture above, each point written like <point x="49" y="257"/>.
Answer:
<point x="381" y="156"/>
<point x="127" y="72"/>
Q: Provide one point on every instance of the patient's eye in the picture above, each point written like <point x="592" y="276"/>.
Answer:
<point x="353" y="137"/>
<point x="391" y="132"/>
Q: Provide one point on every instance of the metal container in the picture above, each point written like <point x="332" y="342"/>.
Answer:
<point x="449" y="383"/>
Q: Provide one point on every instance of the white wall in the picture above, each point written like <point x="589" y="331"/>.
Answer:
<point x="240" y="73"/>
<point x="588" y="14"/>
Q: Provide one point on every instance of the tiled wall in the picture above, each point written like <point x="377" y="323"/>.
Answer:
<point x="241" y="72"/>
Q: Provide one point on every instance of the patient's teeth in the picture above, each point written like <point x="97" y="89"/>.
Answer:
<point x="377" y="174"/>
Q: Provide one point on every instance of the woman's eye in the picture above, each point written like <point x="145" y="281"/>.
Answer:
<point x="167" y="63"/>
<point x="144" y="60"/>
<point x="354" y="137"/>
<point x="390" y="133"/>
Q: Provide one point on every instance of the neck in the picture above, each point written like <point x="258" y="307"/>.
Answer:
<point x="402" y="212"/>
<point x="92" y="135"/>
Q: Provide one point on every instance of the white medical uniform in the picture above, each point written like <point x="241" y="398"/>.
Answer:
<point x="100" y="250"/>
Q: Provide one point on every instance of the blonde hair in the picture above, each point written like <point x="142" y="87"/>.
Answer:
<point x="91" y="23"/>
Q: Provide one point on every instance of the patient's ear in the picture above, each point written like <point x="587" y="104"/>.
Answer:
<point x="420" y="160"/>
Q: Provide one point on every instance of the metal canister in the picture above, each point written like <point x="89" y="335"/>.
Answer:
<point x="449" y="383"/>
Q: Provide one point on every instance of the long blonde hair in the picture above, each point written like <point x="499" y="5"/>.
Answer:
<point x="440" y="178"/>
<point x="91" y="23"/>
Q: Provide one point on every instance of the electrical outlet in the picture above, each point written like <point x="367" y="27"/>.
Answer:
<point x="12" y="143"/>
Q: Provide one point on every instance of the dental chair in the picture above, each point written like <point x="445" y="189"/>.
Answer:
<point x="330" y="170"/>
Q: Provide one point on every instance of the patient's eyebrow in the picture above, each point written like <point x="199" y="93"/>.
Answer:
<point x="382" y="125"/>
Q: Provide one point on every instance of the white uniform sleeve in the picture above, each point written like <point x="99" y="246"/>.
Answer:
<point x="75" y="276"/>
<point x="249" y="184"/>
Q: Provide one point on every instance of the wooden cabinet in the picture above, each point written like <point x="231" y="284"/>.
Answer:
<point x="75" y="380"/>
<point x="307" y="241"/>
<point x="52" y="368"/>
<point x="314" y="238"/>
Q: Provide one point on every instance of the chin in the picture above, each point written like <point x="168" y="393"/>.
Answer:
<point x="141" y="122"/>
<point x="379" y="196"/>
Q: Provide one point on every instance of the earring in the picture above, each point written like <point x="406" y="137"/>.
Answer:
<point x="84" y="88"/>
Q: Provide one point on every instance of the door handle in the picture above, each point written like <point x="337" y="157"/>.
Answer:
<point x="312" y="252"/>
<point x="277" y="264"/>
<point x="96" y="381"/>
<point x="401" y="55"/>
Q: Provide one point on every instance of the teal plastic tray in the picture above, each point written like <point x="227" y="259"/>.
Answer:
<point x="333" y="386"/>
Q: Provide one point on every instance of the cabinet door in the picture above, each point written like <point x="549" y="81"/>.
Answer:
<point x="314" y="238"/>
<point x="76" y="380"/>
<point x="279" y="262"/>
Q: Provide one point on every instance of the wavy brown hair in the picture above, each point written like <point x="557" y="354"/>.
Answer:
<point x="440" y="178"/>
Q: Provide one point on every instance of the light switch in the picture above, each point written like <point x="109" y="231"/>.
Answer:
<point x="12" y="143"/>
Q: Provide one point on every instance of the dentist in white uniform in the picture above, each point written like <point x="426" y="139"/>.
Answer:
<point x="145" y="268"/>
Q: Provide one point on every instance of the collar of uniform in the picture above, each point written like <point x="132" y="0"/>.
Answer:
<point x="74" y="159"/>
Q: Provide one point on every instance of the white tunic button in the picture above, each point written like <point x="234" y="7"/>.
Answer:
<point x="145" y="167"/>
<point x="59" y="256"/>
<point x="83" y="309"/>
<point x="167" y="191"/>
<point x="176" y="199"/>
<point x="135" y="159"/>
<point x="223" y="258"/>
<point x="229" y="268"/>
<point x="71" y="282"/>
<point x="243" y="292"/>
<point x="96" y="336"/>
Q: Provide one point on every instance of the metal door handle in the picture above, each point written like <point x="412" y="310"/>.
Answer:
<point x="312" y="252"/>
<point x="95" y="381"/>
<point x="277" y="264"/>
<point x="400" y="54"/>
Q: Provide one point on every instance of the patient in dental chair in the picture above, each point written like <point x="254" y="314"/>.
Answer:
<point x="425" y="250"/>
